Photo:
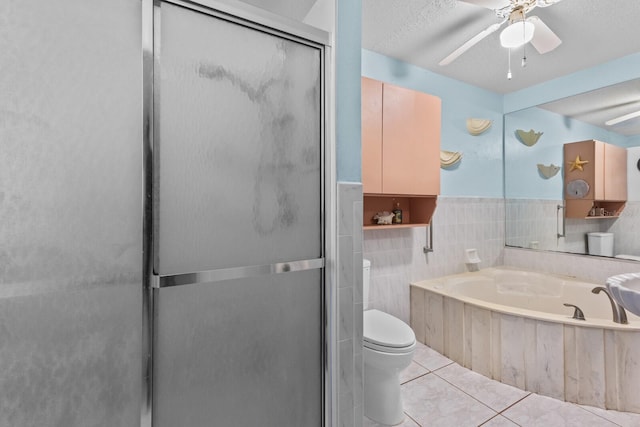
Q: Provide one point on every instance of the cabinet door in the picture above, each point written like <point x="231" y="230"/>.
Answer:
<point x="411" y="135"/>
<point x="589" y="151"/>
<point x="615" y="172"/>
<point x="371" y="136"/>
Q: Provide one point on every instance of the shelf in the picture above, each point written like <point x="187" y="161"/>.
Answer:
<point x="380" y="227"/>
<point x="417" y="211"/>
<point x="579" y="208"/>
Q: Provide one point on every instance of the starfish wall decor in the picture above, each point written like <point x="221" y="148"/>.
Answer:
<point x="577" y="164"/>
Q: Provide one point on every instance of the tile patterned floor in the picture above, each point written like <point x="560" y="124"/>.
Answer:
<point x="440" y="393"/>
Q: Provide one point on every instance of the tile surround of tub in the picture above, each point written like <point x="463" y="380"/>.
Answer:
<point x="588" y="366"/>
<point x="350" y="364"/>
<point x="397" y="257"/>
<point x="533" y="220"/>
<point x="585" y="267"/>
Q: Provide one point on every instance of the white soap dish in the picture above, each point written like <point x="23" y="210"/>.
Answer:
<point x="471" y="256"/>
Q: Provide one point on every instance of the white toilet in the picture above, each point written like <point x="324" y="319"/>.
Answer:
<point x="388" y="349"/>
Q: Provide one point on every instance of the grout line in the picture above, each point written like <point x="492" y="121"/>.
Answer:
<point x="593" y="413"/>
<point x="514" y="404"/>
<point x="444" y="366"/>
<point x="458" y="388"/>
<point x="499" y="415"/>
<point x="412" y="419"/>
<point x="438" y="368"/>
<point x="492" y="409"/>
<point x="413" y="379"/>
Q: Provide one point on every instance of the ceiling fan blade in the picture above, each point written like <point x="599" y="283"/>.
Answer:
<point x="489" y="4"/>
<point x="471" y="42"/>
<point x="544" y="40"/>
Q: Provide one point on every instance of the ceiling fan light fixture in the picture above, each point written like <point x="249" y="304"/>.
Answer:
<point x="517" y="34"/>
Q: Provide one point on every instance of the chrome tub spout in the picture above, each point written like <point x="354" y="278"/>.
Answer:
<point x="619" y="315"/>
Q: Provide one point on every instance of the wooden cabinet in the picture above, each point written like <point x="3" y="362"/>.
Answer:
<point x="603" y="168"/>
<point x="400" y="151"/>
<point x="371" y="136"/>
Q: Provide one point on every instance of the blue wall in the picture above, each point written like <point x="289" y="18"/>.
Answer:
<point x="480" y="171"/>
<point x="348" y="98"/>
<point x="522" y="179"/>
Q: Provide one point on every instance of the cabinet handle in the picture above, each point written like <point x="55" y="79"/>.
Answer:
<point x="429" y="230"/>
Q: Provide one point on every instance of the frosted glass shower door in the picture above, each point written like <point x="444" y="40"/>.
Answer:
<point x="238" y="202"/>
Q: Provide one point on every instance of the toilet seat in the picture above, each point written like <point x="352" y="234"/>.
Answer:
<point x="383" y="332"/>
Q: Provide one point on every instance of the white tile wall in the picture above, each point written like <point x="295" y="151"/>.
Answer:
<point x="529" y="221"/>
<point x="397" y="257"/>
<point x="585" y="267"/>
<point x="350" y="370"/>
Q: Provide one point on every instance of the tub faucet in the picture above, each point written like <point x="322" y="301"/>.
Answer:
<point x="619" y="315"/>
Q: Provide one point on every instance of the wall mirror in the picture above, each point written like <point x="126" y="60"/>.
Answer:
<point x="533" y="167"/>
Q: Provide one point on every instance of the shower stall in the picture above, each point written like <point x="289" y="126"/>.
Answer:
<point x="165" y="206"/>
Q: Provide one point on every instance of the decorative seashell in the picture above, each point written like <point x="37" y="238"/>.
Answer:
<point x="449" y="158"/>
<point x="528" y="138"/>
<point x="548" y="171"/>
<point x="477" y="126"/>
<point x="384" y="218"/>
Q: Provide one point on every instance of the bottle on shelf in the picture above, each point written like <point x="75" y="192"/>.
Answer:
<point x="397" y="214"/>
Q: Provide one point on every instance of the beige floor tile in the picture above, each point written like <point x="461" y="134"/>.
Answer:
<point x="429" y="358"/>
<point x="412" y="372"/>
<point x="434" y="402"/>
<point x="500" y="421"/>
<point x="541" y="411"/>
<point x="408" y="422"/>
<point x="624" y="419"/>
<point x="492" y="393"/>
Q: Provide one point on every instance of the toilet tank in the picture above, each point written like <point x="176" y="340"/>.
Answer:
<point x="600" y="244"/>
<point x="366" y="276"/>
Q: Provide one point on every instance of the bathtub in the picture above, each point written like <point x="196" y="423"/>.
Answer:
<point x="511" y="325"/>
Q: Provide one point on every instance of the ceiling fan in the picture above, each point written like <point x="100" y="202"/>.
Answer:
<point x="521" y="29"/>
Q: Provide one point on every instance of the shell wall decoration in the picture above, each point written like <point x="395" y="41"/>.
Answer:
<point x="477" y="126"/>
<point x="528" y="138"/>
<point x="449" y="158"/>
<point x="548" y="170"/>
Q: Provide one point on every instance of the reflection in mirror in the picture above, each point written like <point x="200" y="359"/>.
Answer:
<point x="534" y="194"/>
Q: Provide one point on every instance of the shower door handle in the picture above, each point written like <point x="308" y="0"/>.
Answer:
<point x="217" y="275"/>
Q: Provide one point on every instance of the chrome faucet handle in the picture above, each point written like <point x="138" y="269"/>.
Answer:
<point x="577" y="313"/>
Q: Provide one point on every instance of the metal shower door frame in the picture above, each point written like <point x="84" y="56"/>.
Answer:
<point x="264" y="21"/>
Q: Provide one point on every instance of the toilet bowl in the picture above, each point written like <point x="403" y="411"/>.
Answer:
<point x="388" y="349"/>
<point x="389" y="344"/>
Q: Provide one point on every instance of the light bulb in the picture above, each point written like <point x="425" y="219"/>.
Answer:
<point x="517" y="34"/>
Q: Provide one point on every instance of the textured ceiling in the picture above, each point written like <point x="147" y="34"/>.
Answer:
<point x="423" y="32"/>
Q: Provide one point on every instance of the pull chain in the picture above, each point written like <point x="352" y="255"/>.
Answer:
<point x="524" y="46"/>
<point x="509" y="56"/>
